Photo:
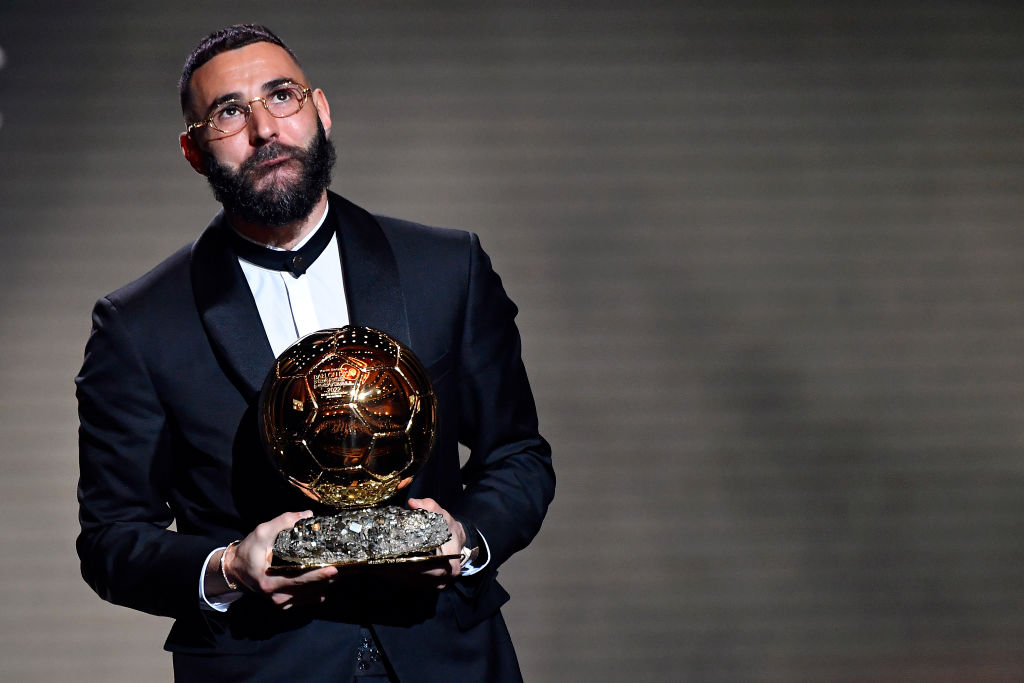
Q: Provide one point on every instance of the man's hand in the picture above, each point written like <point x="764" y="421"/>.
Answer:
<point x="439" y="573"/>
<point x="247" y="564"/>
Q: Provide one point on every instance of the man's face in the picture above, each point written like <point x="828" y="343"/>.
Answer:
<point x="274" y="170"/>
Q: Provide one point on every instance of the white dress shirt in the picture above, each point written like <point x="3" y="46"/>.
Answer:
<point x="293" y="306"/>
<point x="290" y="307"/>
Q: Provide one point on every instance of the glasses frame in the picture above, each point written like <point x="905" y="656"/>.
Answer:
<point x="208" y="123"/>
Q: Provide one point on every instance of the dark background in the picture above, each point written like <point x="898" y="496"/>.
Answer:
<point x="768" y="257"/>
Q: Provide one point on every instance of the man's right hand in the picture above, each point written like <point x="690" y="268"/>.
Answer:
<point x="248" y="562"/>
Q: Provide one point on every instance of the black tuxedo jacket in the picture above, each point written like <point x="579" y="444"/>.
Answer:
<point x="167" y="397"/>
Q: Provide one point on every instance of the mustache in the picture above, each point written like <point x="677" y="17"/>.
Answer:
<point x="269" y="152"/>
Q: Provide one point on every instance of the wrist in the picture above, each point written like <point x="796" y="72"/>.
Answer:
<point x="470" y="548"/>
<point x="468" y="554"/>
<point x="226" y="566"/>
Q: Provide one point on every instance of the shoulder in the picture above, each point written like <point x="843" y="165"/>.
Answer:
<point x="170" y="276"/>
<point x="161" y="291"/>
<point x="170" y="282"/>
<point x="445" y="249"/>
<point x="403" y="232"/>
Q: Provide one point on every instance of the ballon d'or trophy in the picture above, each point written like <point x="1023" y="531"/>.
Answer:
<point x="348" y="416"/>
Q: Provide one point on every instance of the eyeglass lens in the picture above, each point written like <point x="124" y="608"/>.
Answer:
<point x="232" y="116"/>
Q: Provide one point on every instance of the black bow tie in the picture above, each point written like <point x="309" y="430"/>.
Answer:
<point x="295" y="262"/>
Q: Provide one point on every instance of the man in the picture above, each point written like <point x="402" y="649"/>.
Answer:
<point x="168" y="389"/>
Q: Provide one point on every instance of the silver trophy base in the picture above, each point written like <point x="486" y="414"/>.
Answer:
<point x="371" y="536"/>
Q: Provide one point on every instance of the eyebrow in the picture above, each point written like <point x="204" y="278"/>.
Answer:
<point x="228" y="97"/>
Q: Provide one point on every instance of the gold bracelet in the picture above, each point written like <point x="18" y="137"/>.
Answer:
<point x="231" y="584"/>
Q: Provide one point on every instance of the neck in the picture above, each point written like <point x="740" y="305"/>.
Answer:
<point x="281" y="236"/>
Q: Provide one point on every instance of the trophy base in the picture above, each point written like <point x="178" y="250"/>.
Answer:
<point x="283" y="566"/>
<point x="367" y="537"/>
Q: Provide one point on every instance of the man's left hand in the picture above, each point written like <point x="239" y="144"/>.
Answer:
<point x="440" y="573"/>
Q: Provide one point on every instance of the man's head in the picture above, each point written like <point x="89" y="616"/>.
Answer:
<point x="275" y="163"/>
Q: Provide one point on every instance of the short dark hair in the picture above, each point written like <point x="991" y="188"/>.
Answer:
<point x="222" y="40"/>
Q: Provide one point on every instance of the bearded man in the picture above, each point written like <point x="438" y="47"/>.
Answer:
<point x="168" y="391"/>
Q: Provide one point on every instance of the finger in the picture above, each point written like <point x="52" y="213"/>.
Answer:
<point x="318" y="578"/>
<point x="435" y="573"/>
<point x="430" y="564"/>
<point x="266" y="533"/>
<point x="283" y="521"/>
<point x="305" y="593"/>
<point x="428" y="504"/>
<point x="439" y="568"/>
<point x="431" y="505"/>
<point x="313" y="576"/>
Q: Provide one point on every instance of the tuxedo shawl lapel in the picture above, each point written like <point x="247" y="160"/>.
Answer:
<point x="228" y="311"/>
<point x="232" y="321"/>
<point x="372" y="287"/>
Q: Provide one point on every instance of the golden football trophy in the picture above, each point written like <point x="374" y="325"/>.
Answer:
<point x="348" y="416"/>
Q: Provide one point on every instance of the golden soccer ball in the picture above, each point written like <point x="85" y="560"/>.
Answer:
<point x="348" y="416"/>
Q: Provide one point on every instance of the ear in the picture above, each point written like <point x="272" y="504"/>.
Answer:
<point x="324" y="109"/>
<point x="192" y="153"/>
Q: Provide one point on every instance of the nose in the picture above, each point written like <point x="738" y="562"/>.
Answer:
<point x="262" y="126"/>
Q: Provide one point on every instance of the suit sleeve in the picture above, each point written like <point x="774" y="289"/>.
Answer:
<point x="129" y="556"/>
<point x="508" y="479"/>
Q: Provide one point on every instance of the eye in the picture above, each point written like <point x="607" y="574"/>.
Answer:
<point x="283" y="95"/>
<point x="228" y="111"/>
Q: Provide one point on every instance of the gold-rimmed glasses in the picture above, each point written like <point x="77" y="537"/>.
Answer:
<point x="231" y="116"/>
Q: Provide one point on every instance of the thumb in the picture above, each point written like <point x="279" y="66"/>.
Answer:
<point x="428" y="504"/>
<point x="286" y="521"/>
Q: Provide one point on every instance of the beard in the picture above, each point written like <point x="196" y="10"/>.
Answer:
<point x="276" y="204"/>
